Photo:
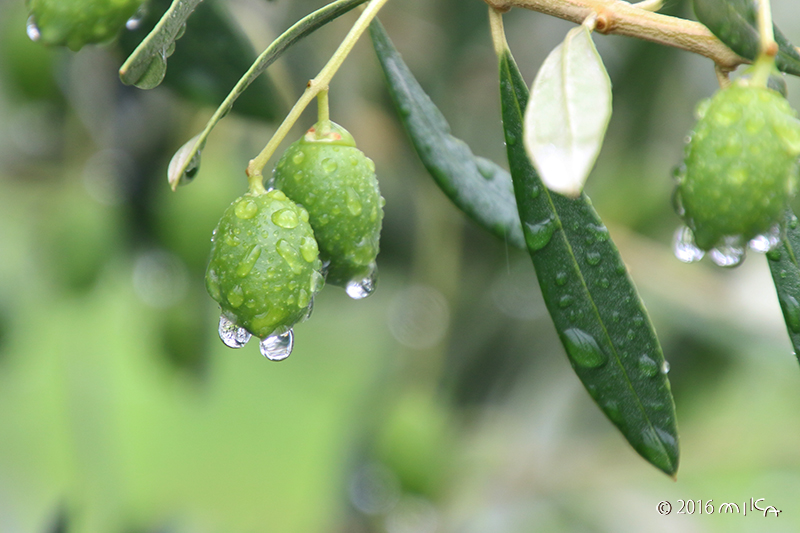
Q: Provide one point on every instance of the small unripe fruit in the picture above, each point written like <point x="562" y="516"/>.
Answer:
<point x="741" y="166"/>
<point x="264" y="267"/>
<point x="336" y="183"/>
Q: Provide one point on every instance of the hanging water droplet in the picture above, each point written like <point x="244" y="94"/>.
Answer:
<point x="32" y="29"/>
<point x="232" y="335"/>
<point x="154" y="74"/>
<point x="684" y="247"/>
<point x="730" y="253"/>
<point x="767" y="241"/>
<point x="791" y="311"/>
<point x="583" y="348"/>
<point x="648" y="367"/>
<point x="665" y="367"/>
<point x="537" y="236"/>
<point x="278" y="347"/>
<point x="309" y="310"/>
<point x="677" y="202"/>
<point x="361" y="287"/>
<point x="135" y="21"/>
<point x="285" y="218"/>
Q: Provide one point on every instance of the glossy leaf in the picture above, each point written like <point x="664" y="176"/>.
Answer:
<point x="568" y="113"/>
<point x="734" y="23"/>
<point x="186" y="161"/>
<point x="209" y="59"/>
<point x="477" y="186"/>
<point x="783" y="265"/>
<point x="147" y="65"/>
<point x="595" y="307"/>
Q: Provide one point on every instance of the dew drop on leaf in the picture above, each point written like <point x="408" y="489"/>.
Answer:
<point x="277" y="347"/>
<point x="648" y="367"/>
<point x="538" y="235"/>
<point x="232" y="335"/>
<point x="791" y="311"/>
<point x="583" y="349"/>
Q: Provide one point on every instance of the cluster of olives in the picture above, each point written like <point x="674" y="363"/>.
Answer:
<point x="739" y="174"/>
<point x="273" y="251"/>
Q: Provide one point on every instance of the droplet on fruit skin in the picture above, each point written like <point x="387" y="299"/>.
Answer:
<point x="765" y="242"/>
<point x="730" y="253"/>
<point x="285" y="218"/>
<point x="232" y="335"/>
<point x="277" y="347"/>
<point x="360" y="288"/>
<point x="684" y="247"/>
<point x="246" y="209"/>
<point x="32" y="29"/>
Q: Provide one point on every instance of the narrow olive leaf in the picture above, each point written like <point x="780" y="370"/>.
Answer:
<point x="734" y="22"/>
<point x="185" y="163"/>
<point x="595" y="307"/>
<point x="568" y="113"/>
<point x="147" y="65"/>
<point x="785" y="271"/>
<point x="477" y="186"/>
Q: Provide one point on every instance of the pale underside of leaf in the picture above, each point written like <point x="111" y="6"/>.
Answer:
<point x="568" y="113"/>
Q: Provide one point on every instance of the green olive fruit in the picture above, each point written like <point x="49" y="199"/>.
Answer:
<point x="74" y="23"/>
<point x="741" y="166"/>
<point x="336" y="183"/>
<point x="264" y="267"/>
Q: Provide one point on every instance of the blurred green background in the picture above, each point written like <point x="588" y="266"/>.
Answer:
<point x="444" y="402"/>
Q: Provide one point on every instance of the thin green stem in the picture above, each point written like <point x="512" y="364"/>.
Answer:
<point x="765" y="62"/>
<point x="314" y="87"/>
<point x="498" y="31"/>
<point x="323" y="113"/>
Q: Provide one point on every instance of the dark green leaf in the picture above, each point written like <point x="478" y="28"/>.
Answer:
<point x="210" y="58"/>
<point x="594" y="305"/>
<point x="477" y="186"/>
<point x="734" y="23"/>
<point x="786" y="276"/>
